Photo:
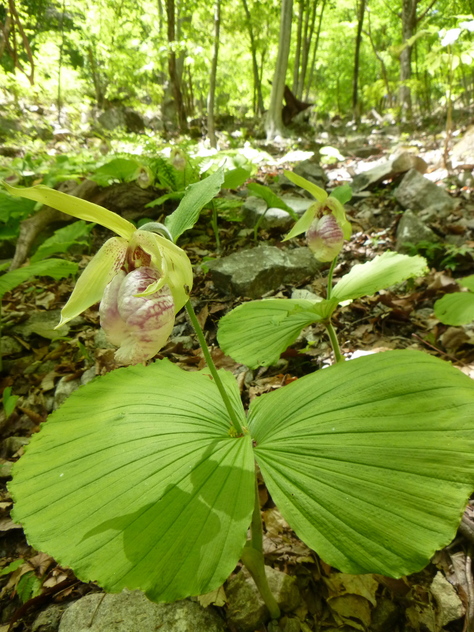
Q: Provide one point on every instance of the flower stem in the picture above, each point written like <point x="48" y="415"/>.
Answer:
<point x="330" y="273"/>
<point x="334" y="341"/>
<point x="252" y="558"/>
<point x="212" y="367"/>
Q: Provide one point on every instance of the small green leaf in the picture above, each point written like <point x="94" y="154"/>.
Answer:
<point x="370" y="461"/>
<point x="383" y="271"/>
<point x="196" y="197"/>
<point x="63" y="239"/>
<point x="272" y="199"/>
<point x="234" y="178"/>
<point x="140" y="482"/>
<point x="455" y="309"/>
<point x="11" y="567"/>
<point x="257" y="333"/>
<point x="343" y="193"/>
<point x="118" y="169"/>
<point x="55" y="268"/>
<point x="319" y="194"/>
<point x="173" y="195"/>
<point x="9" y="401"/>
<point x="28" y="587"/>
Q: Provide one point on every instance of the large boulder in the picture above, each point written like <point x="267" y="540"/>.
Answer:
<point x="417" y="193"/>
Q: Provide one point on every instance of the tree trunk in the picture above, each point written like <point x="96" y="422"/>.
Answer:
<point x="257" y="86"/>
<point x="299" y="33"/>
<point x="211" y="129"/>
<point x="174" y="78"/>
<point x="273" y="122"/>
<point x="315" y="51"/>
<point x="408" y="30"/>
<point x="309" y="25"/>
<point x="355" y="84"/>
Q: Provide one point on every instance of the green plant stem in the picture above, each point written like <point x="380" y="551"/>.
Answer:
<point x="215" y="228"/>
<point x="334" y="341"/>
<point x="252" y="558"/>
<point x="330" y="273"/>
<point x="212" y="367"/>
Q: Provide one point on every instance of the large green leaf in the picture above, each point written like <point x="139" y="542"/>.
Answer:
<point x="370" y="461"/>
<point x="137" y="482"/>
<point x="55" y="268"/>
<point x="196" y="197"/>
<point x="258" y="332"/>
<point x="467" y="282"/>
<point x="455" y="309"/>
<point x="272" y="199"/>
<point x="383" y="271"/>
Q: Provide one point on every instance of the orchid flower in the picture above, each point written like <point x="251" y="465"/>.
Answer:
<point x="141" y="279"/>
<point x="324" y="222"/>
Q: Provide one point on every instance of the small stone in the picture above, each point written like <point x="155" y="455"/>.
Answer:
<point x="49" y="619"/>
<point x="384" y="615"/>
<point x="411" y="230"/>
<point x="133" y="612"/>
<point x="417" y="193"/>
<point x="88" y="375"/>
<point x="11" y="445"/>
<point x="10" y="346"/>
<point x="64" y="388"/>
<point x="256" y="271"/>
<point x="42" y="324"/>
<point x="450" y="607"/>
<point x="6" y="469"/>
<point x="312" y="171"/>
<point x="247" y="610"/>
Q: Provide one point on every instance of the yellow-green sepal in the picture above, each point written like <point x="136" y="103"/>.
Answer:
<point x="318" y="193"/>
<point x="93" y="281"/>
<point x="75" y="206"/>
<point x="304" y="222"/>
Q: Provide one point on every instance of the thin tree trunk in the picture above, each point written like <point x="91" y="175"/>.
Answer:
<point x="211" y="129"/>
<point x="381" y="61"/>
<point x="174" y="79"/>
<point x="299" y="33"/>
<point x="257" y="85"/>
<point x="408" y="30"/>
<point x="308" y="38"/>
<point x="355" y="84"/>
<point x="273" y="122"/>
<point x="315" y="51"/>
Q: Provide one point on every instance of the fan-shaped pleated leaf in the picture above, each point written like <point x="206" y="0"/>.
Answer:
<point x="258" y="332"/>
<point x="370" y="461"/>
<point x="382" y="272"/>
<point x="136" y="482"/>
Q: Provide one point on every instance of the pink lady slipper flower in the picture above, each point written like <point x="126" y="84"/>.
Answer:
<point x="140" y="278"/>
<point x="324" y="222"/>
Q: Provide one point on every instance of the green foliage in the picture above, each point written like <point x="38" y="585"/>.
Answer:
<point x="9" y="401"/>
<point x="55" y="268"/>
<point x="457" y="308"/>
<point x="272" y="199"/>
<point x="442" y="256"/>
<point x="12" y="212"/>
<point x="63" y="239"/>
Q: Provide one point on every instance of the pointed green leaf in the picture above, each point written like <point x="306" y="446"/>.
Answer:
<point x="319" y="194"/>
<point x="371" y="461"/>
<point x="272" y="199"/>
<point x="76" y="207"/>
<point x="55" y="268"/>
<point x="196" y="197"/>
<point x="455" y="309"/>
<point x="136" y="482"/>
<point x="257" y="333"/>
<point x="234" y="178"/>
<point x="342" y="193"/>
<point x="383" y="271"/>
<point x="63" y="239"/>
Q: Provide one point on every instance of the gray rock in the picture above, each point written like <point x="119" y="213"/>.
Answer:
<point x="121" y="117"/>
<point x="133" y="612"/>
<point x="10" y="346"/>
<point x="48" y="620"/>
<point x="255" y="210"/>
<point x="386" y="170"/>
<point x="463" y="151"/>
<point x="11" y="445"/>
<point x="6" y="469"/>
<point x="88" y="375"/>
<point x="412" y="230"/>
<point x="246" y="610"/>
<point x="259" y="270"/>
<point x="64" y="388"/>
<point x="42" y="324"/>
<point x="450" y="607"/>
<point x="417" y="193"/>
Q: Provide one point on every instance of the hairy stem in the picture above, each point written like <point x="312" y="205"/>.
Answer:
<point x="212" y="367"/>
<point x="330" y="273"/>
<point x="334" y="342"/>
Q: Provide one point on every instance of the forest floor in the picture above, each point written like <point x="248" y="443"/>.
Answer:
<point x="397" y="318"/>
